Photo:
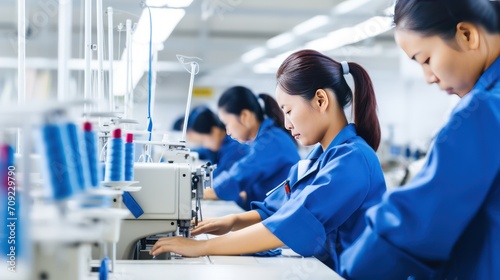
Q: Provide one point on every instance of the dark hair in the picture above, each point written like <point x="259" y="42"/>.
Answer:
<point x="236" y="99"/>
<point x="306" y="71"/>
<point x="440" y="17"/>
<point x="177" y="126"/>
<point x="202" y="119"/>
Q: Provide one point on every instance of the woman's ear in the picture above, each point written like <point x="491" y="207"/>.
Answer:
<point x="467" y="36"/>
<point x="321" y="100"/>
<point x="245" y="117"/>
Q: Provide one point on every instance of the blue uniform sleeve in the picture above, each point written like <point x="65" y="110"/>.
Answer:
<point x="229" y="154"/>
<point x="415" y="228"/>
<point x="271" y="204"/>
<point x="205" y="154"/>
<point x="326" y="202"/>
<point x="265" y="159"/>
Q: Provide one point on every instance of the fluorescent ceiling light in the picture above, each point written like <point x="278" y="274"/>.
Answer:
<point x="271" y="65"/>
<point x="280" y="40"/>
<point x="163" y="21"/>
<point x="253" y="55"/>
<point x="349" y="6"/>
<point x="346" y="36"/>
<point x="390" y="11"/>
<point x="336" y="39"/>
<point x="311" y="24"/>
<point x="169" y="3"/>
<point x="268" y="66"/>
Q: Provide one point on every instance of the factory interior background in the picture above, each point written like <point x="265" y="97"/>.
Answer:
<point x="239" y="42"/>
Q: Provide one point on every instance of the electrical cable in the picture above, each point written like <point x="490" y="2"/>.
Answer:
<point x="150" y="123"/>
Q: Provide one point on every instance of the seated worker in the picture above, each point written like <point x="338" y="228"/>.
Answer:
<point x="445" y="222"/>
<point x="203" y="153"/>
<point x="319" y="210"/>
<point x="205" y="128"/>
<point x="272" y="149"/>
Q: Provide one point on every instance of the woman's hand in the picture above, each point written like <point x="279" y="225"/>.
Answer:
<point x="180" y="245"/>
<point x="216" y="226"/>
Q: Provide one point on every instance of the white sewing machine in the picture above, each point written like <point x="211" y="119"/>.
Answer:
<point x="170" y="196"/>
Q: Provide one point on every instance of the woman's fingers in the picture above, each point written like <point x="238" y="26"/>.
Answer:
<point x="180" y="245"/>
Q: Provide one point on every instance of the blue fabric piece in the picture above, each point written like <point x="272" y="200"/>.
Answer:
<point x="132" y="205"/>
<point x="330" y="192"/>
<point x="272" y="154"/>
<point x="104" y="269"/>
<point x="269" y="253"/>
<point x="444" y="223"/>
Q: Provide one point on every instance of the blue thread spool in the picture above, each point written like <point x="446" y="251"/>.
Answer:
<point x="78" y="161"/>
<point x="90" y="139"/>
<point x="129" y="157"/>
<point x="56" y="167"/>
<point x="6" y="165"/>
<point x="115" y="164"/>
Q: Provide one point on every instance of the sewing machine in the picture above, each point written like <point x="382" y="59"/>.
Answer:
<point x="170" y="198"/>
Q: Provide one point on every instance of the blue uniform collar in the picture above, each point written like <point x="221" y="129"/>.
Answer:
<point x="345" y="134"/>
<point x="318" y="154"/>
<point x="226" y="140"/>
<point x="489" y="77"/>
<point x="265" y="125"/>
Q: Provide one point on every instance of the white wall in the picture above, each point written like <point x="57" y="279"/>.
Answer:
<point x="414" y="110"/>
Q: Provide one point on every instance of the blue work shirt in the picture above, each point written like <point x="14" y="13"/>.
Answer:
<point x="445" y="223"/>
<point x="272" y="154"/>
<point x="206" y="154"/>
<point x="330" y="192"/>
<point x="229" y="153"/>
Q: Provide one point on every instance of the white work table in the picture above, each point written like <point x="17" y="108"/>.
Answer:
<point x="286" y="266"/>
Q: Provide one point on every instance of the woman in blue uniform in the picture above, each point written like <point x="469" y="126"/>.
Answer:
<point x="318" y="211"/>
<point x="205" y="129"/>
<point x="272" y="149"/>
<point x="445" y="223"/>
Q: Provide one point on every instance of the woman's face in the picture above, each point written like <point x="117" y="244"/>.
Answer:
<point x="450" y="67"/>
<point x="234" y="127"/>
<point x="208" y="141"/>
<point x="300" y="118"/>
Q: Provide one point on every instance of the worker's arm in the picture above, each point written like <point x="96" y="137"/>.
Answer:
<point x="209" y="193"/>
<point x="255" y="238"/>
<point x="227" y="223"/>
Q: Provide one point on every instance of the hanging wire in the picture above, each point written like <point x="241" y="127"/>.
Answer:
<point x="150" y="124"/>
<point x="81" y="41"/>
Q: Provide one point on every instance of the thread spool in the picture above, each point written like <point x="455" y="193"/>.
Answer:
<point x="78" y="156"/>
<point x="6" y="165"/>
<point x="52" y="145"/>
<point x="115" y="163"/>
<point x="129" y="157"/>
<point x="90" y="140"/>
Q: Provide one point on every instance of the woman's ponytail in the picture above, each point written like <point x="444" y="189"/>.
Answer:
<point x="365" y="106"/>
<point x="496" y="7"/>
